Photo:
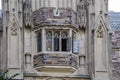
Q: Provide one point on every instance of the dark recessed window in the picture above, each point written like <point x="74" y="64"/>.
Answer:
<point x="39" y="42"/>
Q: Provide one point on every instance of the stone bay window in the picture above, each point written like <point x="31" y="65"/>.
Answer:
<point x="56" y="45"/>
<point x="56" y="40"/>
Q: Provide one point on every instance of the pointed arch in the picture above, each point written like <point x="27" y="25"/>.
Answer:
<point x="100" y="44"/>
<point x="100" y="21"/>
<point x="13" y="25"/>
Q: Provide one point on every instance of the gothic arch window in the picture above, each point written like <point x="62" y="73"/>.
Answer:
<point x="56" y="40"/>
<point x="49" y="41"/>
<point x="49" y="35"/>
<point x="64" y="41"/>
<point x="39" y="42"/>
<point x="64" y="35"/>
<point x="56" y="35"/>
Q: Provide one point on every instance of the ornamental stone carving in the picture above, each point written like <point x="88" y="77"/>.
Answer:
<point x="14" y="28"/>
<point x="27" y="12"/>
<point x="81" y="14"/>
<point x="100" y="31"/>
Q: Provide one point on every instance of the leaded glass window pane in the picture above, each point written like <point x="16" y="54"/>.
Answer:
<point x="64" y="41"/>
<point x="56" y="41"/>
<point x="49" y="41"/>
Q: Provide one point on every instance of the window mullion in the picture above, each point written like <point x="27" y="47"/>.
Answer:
<point x="70" y="35"/>
<point x="43" y="40"/>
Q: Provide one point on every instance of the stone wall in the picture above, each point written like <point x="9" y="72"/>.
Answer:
<point x="116" y="54"/>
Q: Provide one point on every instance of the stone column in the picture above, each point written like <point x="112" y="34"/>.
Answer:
<point x="27" y="49"/>
<point x="70" y="36"/>
<point x="28" y="66"/>
<point x="43" y="40"/>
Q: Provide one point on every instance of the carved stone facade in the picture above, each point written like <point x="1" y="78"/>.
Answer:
<point x="56" y="39"/>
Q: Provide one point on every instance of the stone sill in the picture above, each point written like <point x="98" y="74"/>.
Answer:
<point x="86" y="76"/>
